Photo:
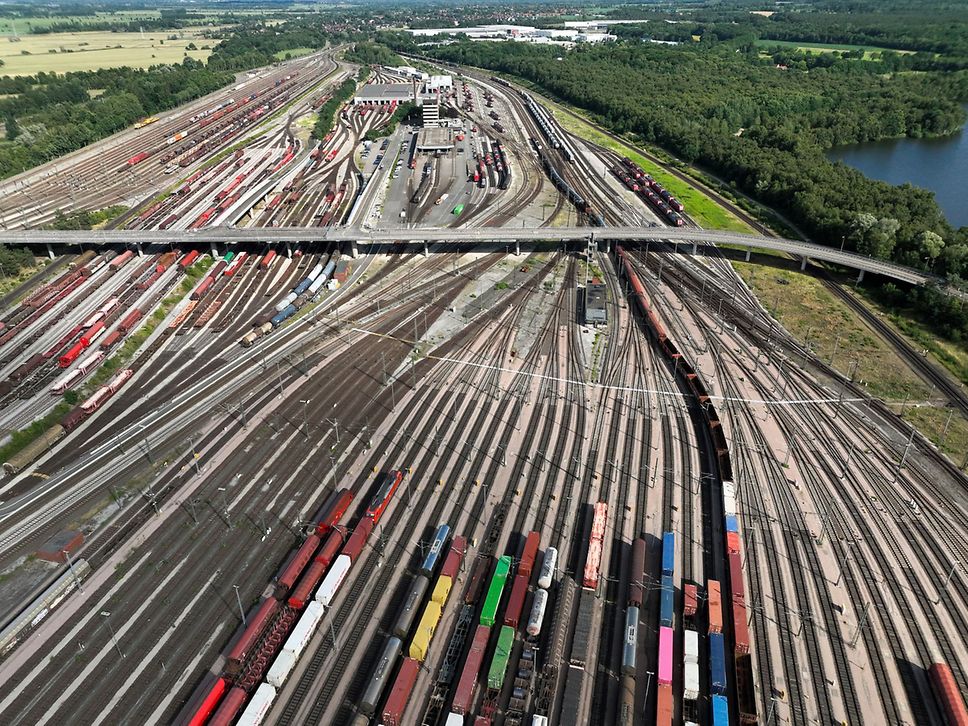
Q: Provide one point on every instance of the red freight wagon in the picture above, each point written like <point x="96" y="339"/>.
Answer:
<point x="482" y="567"/>
<point x="256" y="626"/>
<point x="92" y="333"/>
<point x="400" y="693"/>
<point x="948" y="694"/>
<point x="264" y="264"/>
<point x="137" y="158"/>
<point x="732" y="542"/>
<point x="71" y="355"/>
<point x="230" y="708"/>
<point x="530" y="552"/>
<point x="516" y="601"/>
<point x="111" y="339"/>
<point x="741" y="633"/>
<point x="354" y="545"/>
<point x="736" y="577"/>
<point x="188" y="260"/>
<point x="464" y="693"/>
<point x="593" y="561"/>
<point x="637" y="574"/>
<point x="333" y="511"/>
<point x="209" y="703"/>
<point x="297" y="564"/>
<point x="451" y="566"/>
<point x="130" y="320"/>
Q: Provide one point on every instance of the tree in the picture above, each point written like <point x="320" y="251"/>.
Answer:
<point x="930" y="244"/>
<point x="10" y="123"/>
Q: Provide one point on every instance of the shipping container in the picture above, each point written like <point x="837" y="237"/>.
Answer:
<point x="531" y="545"/>
<point x="664" y="705"/>
<point x="499" y="663"/>
<point x="731" y="524"/>
<point x="515" y="606"/>
<point x="464" y="692"/>
<point x="381" y="676"/>
<point x="691" y="646"/>
<point x="258" y="708"/>
<point x="720" y="711"/>
<point x="267" y="260"/>
<point x="436" y="550"/>
<point x="442" y="590"/>
<point x="333" y="580"/>
<point x="732" y="543"/>
<point x="746" y="691"/>
<point x="400" y="692"/>
<point x="631" y="640"/>
<point x="454" y="719"/>
<point x="304" y="629"/>
<point x="420" y="644"/>
<point x="668" y="553"/>
<point x="715" y="605"/>
<point x="667" y="601"/>
<point x="690" y="679"/>
<point x="281" y="668"/>
<point x="495" y="590"/>
<point x="538" y="607"/>
<point x="549" y="566"/>
<point x="689" y="600"/>
<point x="717" y="663"/>
<point x="637" y="573"/>
<point x="666" y="646"/>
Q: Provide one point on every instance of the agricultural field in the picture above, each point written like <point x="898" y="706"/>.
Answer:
<point x="85" y="51"/>
<point x="293" y="53"/>
<point x="24" y="26"/>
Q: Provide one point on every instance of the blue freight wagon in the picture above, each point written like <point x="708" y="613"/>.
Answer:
<point x="436" y="547"/>
<point x="667" y="601"/>
<point x="286" y="313"/>
<point x="717" y="663"/>
<point x="668" y="553"/>
<point x="731" y="524"/>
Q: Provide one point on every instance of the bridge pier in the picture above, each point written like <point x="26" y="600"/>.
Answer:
<point x="860" y="277"/>
<point x="517" y="247"/>
<point x="50" y="251"/>
<point x="695" y="248"/>
<point x="214" y="250"/>
<point x="749" y="253"/>
<point x="288" y="251"/>
<point x="426" y="252"/>
<point x="141" y="252"/>
<point x="803" y="263"/>
<point x="354" y="249"/>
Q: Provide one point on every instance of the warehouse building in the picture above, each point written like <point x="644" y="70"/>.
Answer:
<point x="383" y="94"/>
<point x="433" y="140"/>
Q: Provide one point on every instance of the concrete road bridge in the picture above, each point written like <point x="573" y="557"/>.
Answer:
<point x="354" y="237"/>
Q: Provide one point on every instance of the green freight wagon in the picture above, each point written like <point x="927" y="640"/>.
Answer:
<point x="229" y="256"/>
<point x="494" y="591"/>
<point x="458" y="209"/>
<point x="499" y="664"/>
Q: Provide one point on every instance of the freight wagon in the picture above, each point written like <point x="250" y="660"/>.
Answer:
<point x="495" y="591"/>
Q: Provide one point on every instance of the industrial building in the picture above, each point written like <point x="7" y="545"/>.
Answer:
<point x="383" y="94"/>
<point x="433" y="140"/>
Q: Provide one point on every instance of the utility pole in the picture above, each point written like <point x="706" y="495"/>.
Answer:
<point x="239" y="601"/>
<point x="77" y="580"/>
<point x="114" y="638"/>
<point x="860" y="625"/>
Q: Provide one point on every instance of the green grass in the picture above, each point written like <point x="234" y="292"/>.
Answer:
<point x="20" y="440"/>
<point x="23" y="26"/>
<point x="706" y="212"/>
<point x="932" y="420"/>
<point x="810" y="312"/>
<point x="293" y="53"/>
<point x="870" y="51"/>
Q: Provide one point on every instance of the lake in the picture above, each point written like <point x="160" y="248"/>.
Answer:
<point x="940" y="165"/>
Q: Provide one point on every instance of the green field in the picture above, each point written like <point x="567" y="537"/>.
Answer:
<point x="870" y="51"/>
<point x="293" y="53"/>
<point x="23" y="26"/>
<point x="64" y="52"/>
<point x="701" y="208"/>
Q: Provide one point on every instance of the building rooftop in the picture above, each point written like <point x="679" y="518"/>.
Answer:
<point x="384" y="91"/>
<point x="431" y="139"/>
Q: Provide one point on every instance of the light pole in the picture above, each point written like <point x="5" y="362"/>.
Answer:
<point x="648" y="684"/>
<point x="238" y="599"/>
<point x="305" y="403"/>
<point x="105" y="614"/>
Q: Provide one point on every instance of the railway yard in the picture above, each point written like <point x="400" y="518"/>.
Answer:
<point x="291" y="484"/>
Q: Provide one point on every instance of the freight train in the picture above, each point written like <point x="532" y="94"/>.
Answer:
<point x="565" y="188"/>
<point x="736" y="606"/>
<point x="651" y="191"/>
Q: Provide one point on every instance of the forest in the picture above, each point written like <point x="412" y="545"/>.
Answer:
<point x="728" y="108"/>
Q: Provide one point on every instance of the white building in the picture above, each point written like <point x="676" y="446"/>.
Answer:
<point x="439" y="84"/>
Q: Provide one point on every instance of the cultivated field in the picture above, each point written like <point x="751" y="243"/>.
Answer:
<point x="64" y="52"/>
<point x="870" y="51"/>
